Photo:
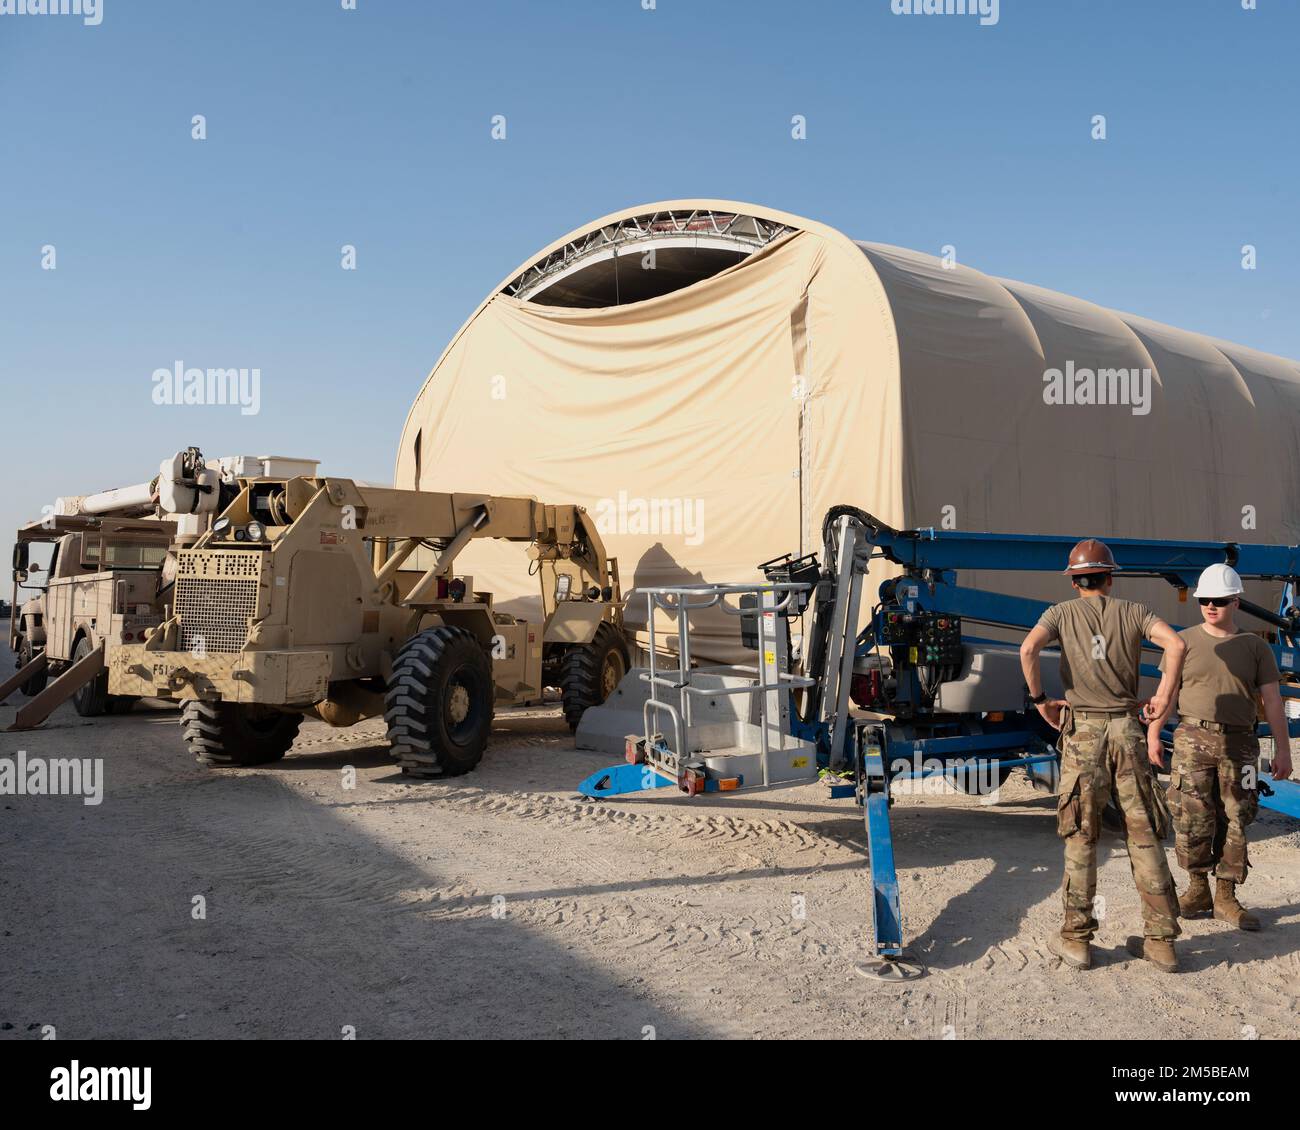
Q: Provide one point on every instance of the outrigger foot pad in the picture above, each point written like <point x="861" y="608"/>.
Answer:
<point x="620" y="779"/>
<point x="891" y="969"/>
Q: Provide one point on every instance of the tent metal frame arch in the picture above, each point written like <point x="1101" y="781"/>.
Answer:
<point x="696" y="228"/>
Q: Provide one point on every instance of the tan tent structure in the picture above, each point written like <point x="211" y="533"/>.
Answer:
<point x="708" y="377"/>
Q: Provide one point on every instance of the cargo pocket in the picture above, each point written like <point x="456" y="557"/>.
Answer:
<point x="1174" y="796"/>
<point x="1162" y="816"/>
<point x="1151" y="796"/>
<point x="1249" y="803"/>
<point x="1069" y="805"/>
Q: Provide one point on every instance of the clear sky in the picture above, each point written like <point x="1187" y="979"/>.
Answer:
<point x="372" y="127"/>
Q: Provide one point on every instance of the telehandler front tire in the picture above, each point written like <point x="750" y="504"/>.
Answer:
<point x="227" y="735"/>
<point x="590" y="672"/>
<point x="439" y="703"/>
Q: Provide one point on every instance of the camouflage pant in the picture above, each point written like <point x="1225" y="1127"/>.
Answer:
<point x="1101" y="757"/>
<point x="1212" y="797"/>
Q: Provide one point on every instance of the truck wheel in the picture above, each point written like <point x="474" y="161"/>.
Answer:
<point x="91" y="699"/>
<point x="590" y="672"/>
<point x="224" y="735"/>
<point x="36" y="684"/>
<point x="439" y="703"/>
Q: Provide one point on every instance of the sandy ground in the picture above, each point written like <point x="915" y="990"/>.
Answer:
<point x="501" y="904"/>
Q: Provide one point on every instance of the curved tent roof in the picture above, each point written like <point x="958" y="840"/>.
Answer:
<point x="709" y="376"/>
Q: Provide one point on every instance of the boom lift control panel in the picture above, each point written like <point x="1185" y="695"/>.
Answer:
<point x="922" y="638"/>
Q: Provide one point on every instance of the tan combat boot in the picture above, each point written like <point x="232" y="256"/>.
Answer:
<point x="1075" y="954"/>
<point x="1228" y="909"/>
<point x="1158" y="951"/>
<point x="1197" y="901"/>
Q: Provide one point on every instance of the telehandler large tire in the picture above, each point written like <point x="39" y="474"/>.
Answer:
<point x="90" y="699"/>
<point x="590" y="672"/>
<point x="224" y="735"/>
<point x="439" y="703"/>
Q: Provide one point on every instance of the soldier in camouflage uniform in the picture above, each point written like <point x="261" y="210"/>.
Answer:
<point x="1212" y="781"/>
<point x="1104" y="751"/>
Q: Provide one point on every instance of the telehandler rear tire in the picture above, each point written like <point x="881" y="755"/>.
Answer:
<point x="439" y="703"/>
<point x="225" y="735"/>
<point x="590" y="672"/>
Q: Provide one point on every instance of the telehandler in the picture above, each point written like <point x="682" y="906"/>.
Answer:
<point x="322" y="595"/>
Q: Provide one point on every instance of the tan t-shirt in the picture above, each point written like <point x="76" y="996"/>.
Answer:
<point x="1101" y="645"/>
<point x="1222" y="677"/>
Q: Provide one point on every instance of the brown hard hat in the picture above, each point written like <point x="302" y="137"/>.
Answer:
<point x="1091" y="556"/>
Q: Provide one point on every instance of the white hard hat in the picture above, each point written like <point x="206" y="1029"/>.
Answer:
<point x="1218" y="580"/>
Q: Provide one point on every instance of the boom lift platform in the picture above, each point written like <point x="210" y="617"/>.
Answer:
<point x="936" y="699"/>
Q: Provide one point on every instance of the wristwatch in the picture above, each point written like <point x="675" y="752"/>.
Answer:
<point x="1039" y="699"/>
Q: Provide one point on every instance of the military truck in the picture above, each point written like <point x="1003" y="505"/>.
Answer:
<point x="320" y="595"/>
<point x="100" y="589"/>
<point x="105" y="577"/>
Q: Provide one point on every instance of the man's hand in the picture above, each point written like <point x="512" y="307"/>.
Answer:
<point x="1156" y="752"/>
<point x="1281" y="764"/>
<point x="1051" y="711"/>
<point x="1278" y="724"/>
<point x="1157" y="706"/>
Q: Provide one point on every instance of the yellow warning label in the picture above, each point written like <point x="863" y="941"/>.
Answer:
<point x="798" y="763"/>
<point x="769" y="657"/>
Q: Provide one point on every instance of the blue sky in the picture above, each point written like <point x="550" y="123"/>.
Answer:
<point x="372" y="127"/>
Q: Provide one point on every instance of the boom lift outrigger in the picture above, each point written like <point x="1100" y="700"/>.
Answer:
<point x="944" y="702"/>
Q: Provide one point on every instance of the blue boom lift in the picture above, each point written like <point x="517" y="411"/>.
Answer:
<point x="943" y="701"/>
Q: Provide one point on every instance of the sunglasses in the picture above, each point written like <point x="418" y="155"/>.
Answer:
<point x="1217" y="601"/>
